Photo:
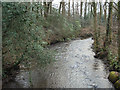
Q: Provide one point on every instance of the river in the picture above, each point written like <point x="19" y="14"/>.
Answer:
<point x="75" y="67"/>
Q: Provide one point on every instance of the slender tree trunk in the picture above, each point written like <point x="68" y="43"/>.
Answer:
<point x="69" y="8"/>
<point x="81" y="9"/>
<point x="100" y="19"/>
<point x="85" y="11"/>
<point x="45" y="9"/>
<point x="95" y="27"/>
<point x="63" y="7"/>
<point x="41" y="11"/>
<point x="108" y="30"/>
<point x="100" y="11"/>
<point x="77" y="11"/>
<point x="60" y="7"/>
<point x="48" y="7"/>
<point x="91" y="11"/>
<point x="51" y="7"/>
<point x="73" y="7"/>
<point x="119" y="32"/>
<point x="105" y="12"/>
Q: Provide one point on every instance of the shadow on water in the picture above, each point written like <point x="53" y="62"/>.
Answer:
<point x="75" y="67"/>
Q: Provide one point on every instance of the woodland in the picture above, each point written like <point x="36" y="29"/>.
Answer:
<point x="30" y="28"/>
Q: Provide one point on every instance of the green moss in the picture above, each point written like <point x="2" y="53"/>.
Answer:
<point x="117" y="84"/>
<point x="113" y="76"/>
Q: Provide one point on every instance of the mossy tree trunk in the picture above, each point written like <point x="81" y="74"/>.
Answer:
<point x="107" y="41"/>
<point x="119" y="32"/>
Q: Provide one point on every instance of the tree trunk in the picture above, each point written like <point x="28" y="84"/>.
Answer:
<point x="100" y="11"/>
<point x="69" y="8"/>
<point x="45" y="9"/>
<point x="50" y="7"/>
<point x="91" y="11"/>
<point x="85" y="10"/>
<point x="60" y="7"/>
<point x="108" y="30"/>
<point x="77" y="11"/>
<point x="81" y="9"/>
<point x="105" y="12"/>
<point x="119" y="32"/>
<point x="73" y="8"/>
<point x="63" y="7"/>
<point x="95" y="27"/>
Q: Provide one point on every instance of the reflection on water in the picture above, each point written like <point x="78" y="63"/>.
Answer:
<point x="75" y="67"/>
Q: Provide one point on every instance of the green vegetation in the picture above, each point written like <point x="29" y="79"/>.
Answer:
<point x="26" y="33"/>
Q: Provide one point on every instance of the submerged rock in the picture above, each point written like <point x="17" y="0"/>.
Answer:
<point x="117" y="84"/>
<point x="113" y="76"/>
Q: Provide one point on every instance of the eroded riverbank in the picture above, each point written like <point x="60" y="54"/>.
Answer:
<point x="75" y="67"/>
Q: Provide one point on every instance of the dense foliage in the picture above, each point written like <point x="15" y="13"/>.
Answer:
<point x="26" y="32"/>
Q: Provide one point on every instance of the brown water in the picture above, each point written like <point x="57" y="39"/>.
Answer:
<point x="75" y="67"/>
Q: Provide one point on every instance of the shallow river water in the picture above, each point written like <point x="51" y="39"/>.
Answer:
<point x="75" y="67"/>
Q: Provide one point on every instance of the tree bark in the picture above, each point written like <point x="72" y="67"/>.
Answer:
<point x="119" y="32"/>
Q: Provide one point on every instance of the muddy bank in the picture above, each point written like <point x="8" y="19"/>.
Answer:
<point x="75" y="67"/>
